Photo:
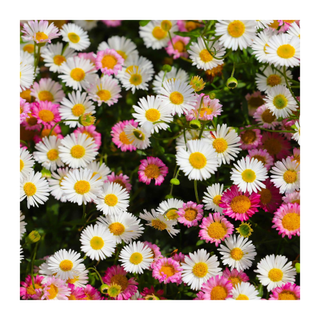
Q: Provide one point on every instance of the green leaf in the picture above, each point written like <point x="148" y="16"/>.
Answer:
<point x="192" y="33"/>
<point x="143" y="23"/>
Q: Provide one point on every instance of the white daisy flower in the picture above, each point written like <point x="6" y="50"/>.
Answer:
<point x="159" y="222"/>
<point x="151" y="114"/>
<point x="48" y="153"/>
<point x="77" y="150"/>
<point x="26" y="58"/>
<point x="136" y="73"/>
<point x="55" y="186"/>
<point x="26" y="75"/>
<point x="155" y="33"/>
<point x="101" y="169"/>
<point x="139" y="136"/>
<point x="40" y="31"/>
<point x="168" y="208"/>
<point x="260" y="43"/>
<point x="248" y="174"/>
<point x="97" y="242"/>
<point x="80" y="187"/>
<point x="86" y="24"/>
<point x="136" y="257"/>
<point x="76" y="37"/>
<point x="66" y="264"/>
<point x="280" y="101"/>
<point x="274" y="271"/>
<point x="77" y="72"/>
<point x="124" y="46"/>
<point x="238" y="252"/>
<point x="265" y="117"/>
<point x="53" y="56"/>
<point x="244" y="291"/>
<point x="236" y="33"/>
<point x="198" y="267"/>
<point x="271" y="78"/>
<point x="263" y="23"/>
<point x="124" y="226"/>
<point x="35" y="188"/>
<point x="21" y="253"/>
<point x="74" y="107"/>
<point x="44" y="268"/>
<point x="178" y="96"/>
<point x="202" y="58"/>
<point x="22" y="225"/>
<point x="286" y="175"/>
<point x="199" y="162"/>
<point x="284" y="50"/>
<point x="294" y="30"/>
<point x="174" y="74"/>
<point x="47" y="90"/>
<point x="112" y="199"/>
<point x="28" y="47"/>
<point x="104" y="90"/>
<point x="26" y="162"/>
<point x="296" y="135"/>
<point x="81" y="279"/>
<point x="55" y="289"/>
<point x="212" y="197"/>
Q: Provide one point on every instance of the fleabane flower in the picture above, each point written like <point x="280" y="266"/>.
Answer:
<point x="47" y="90"/>
<point x="260" y="43"/>
<point x="109" y="61"/>
<point x="167" y="270"/>
<point x="55" y="186"/>
<point x="190" y="214"/>
<point x="265" y="117"/>
<point x="46" y="113"/>
<point x="138" y="135"/>
<point x="263" y="156"/>
<point x="24" y="110"/>
<point x="288" y="291"/>
<point x="119" y="137"/>
<point x="152" y="168"/>
<point x="76" y="37"/>
<point x="177" y="48"/>
<point x="100" y="169"/>
<point x="250" y="138"/>
<point x="296" y="135"/>
<point x="169" y="208"/>
<point x="26" y="162"/>
<point x="249" y="174"/>
<point x="216" y="288"/>
<point x="212" y="197"/>
<point x="55" y="289"/>
<point x="236" y="277"/>
<point x="121" y="179"/>
<point x="39" y="31"/>
<point x="245" y="291"/>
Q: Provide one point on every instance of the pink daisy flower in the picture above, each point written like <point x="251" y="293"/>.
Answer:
<point x="24" y="110"/>
<point x="276" y="145"/>
<point x="151" y="294"/>
<point x="152" y="168"/>
<point x="200" y="296"/>
<point x="288" y="291"/>
<point x="89" y="56"/>
<point x="190" y="214"/>
<point x="121" y="179"/>
<point x="296" y="155"/>
<point x="179" y="257"/>
<point x="177" y="47"/>
<point x="28" y="291"/>
<point x="76" y="293"/>
<point x="119" y="137"/>
<point x="112" y="23"/>
<point x="254" y="100"/>
<point x="263" y="156"/>
<point x="215" y="228"/>
<point x="117" y="275"/>
<point x="91" y="293"/>
<point x="31" y="122"/>
<point x="187" y="25"/>
<point x="235" y="276"/>
<point x="46" y="113"/>
<point x="287" y="220"/>
<point x="40" y="32"/>
<point x="270" y="197"/>
<point x="210" y="108"/>
<point x="156" y="253"/>
<point x="55" y="289"/>
<point x="45" y="133"/>
<point x="109" y="61"/>
<point x="286" y="125"/>
<point x="167" y="270"/>
<point x="293" y="197"/>
<point x="286" y="24"/>
<point x="265" y="117"/>
<point x="217" y="288"/>
<point x="239" y="205"/>
<point x="91" y="132"/>
<point x="250" y="138"/>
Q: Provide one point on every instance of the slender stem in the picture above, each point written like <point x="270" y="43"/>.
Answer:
<point x="32" y="261"/>
<point x="202" y="128"/>
<point x="83" y="210"/>
<point x="196" y="191"/>
<point x="170" y="39"/>
<point x="200" y="106"/>
<point x="97" y="272"/>
<point x="286" y="79"/>
<point x="185" y="59"/>
<point x="65" y="47"/>
<point x="233" y="69"/>
<point x="164" y="75"/>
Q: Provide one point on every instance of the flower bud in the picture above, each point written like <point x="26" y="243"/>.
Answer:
<point x="34" y="236"/>
<point x="87" y="119"/>
<point x="46" y="173"/>
<point x="175" y="181"/>
<point x="297" y="266"/>
<point x="166" y="67"/>
<point x="232" y="83"/>
<point x="195" y="124"/>
<point x="212" y="95"/>
<point x="168" y="196"/>
<point x="104" y="288"/>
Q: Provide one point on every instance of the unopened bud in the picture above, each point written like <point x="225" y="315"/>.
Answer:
<point x="212" y="95"/>
<point x="87" y="119"/>
<point x="104" y="288"/>
<point x="46" y="173"/>
<point x="175" y="181"/>
<point x="297" y="266"/>
<point x="34" y="236"/>
<point x="195" y="124"/>
<point x="166" y="67"/>
<point x="168" y="196"/>
<point x="232" y="83"/>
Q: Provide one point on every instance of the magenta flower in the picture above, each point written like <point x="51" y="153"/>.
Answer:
<point x="152" y="168"/>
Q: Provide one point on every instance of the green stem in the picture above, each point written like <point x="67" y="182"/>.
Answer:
<point x="97" y="272"/>
<point x="200" y="106"/>
<point x="202" y="128"/>
<point x="170" y="38"/>
<point x="83" y="210"/>
<point x="286" y="79"/>
<point x="164" y="75"/>
<point x="196" y="191"/>
<point x="64" y="48"/>
<point x="32" y="261"/>
<point x="233" y="69"/>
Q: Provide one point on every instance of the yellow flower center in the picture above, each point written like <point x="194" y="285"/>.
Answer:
<point x="235" y="281"/>
<point x="291" y="221"/>
<point x="274" y="24"/>
<point x="152" y="171"/>
<point x="135" y="79"/>
<point x="41" y="36"/>
<point x="29" y="48"/>
<point x="242" y="297"/>
<point x="197" y="160"/>
<point x="267" y="116"/>
<point x="120" y="280"/>
<point x="114" y="290"/>
<point x="255" y="102"/>
<point x="59" y="59"/>
<point x="136" y="258"/>
<point x="190" y="214"/>
<point x="287" y="295"/>
<point x="273" y="80"/>
<point x="249" y="136"/>
<point x="280" y="101"/>
<point x="45" y="96"/>
<point x="53" y="291"/>
<point x="124" y="138"/>
<point x="159" y="33"/>
<point x="74" y="38"/>
<point x="152" y="115"/>
<point x="273" y="146"/>
<point x="122" y="54"/>
<point x="31" y="120"/>
<point x="171" y="214"/>
<point x="77" y="151"/>
<point x="275" y="275"/>
<point x="78" y="109"/>
<point x="176" y="98"/>
<point x="111" y="200"/>
<point x="217" y="199"/>
<point x="240" y="204"/>
<point x="21" y="165"/>
<point x="205" y="55"/>
<point x="26" y="94"/>
<point x="77" y="74"/>
<point x="248" y="175"/>
<point x="29" y="189"/>
<point x="82" y="187"/>
<point x="73" y="280"/>
<point x="286" y="51"/>
<point x="104" y="95"/>
<point x="236" y="29"/>
<point x="168" y="270"/>
<point x="220" y="145"/>
<point x="45" y="133"/>
<point x="116" y="228"/>
<point x="96" y="243"/>
<point x="66" y="265"/>
<point x="218" y="293"/>
<point x="30" y="289"/>
<point x="236" y="254"/>
<point x="290" y="176"/>
<point x="205" y="111"/>
<point x="46" y="115"/>
<point x="166" y="25"/>
<point x="216" y="230"/>
<point x="200" y="269"/>
<point x="259" y="158"/>
<point x="108" y="61"/>
<point x="159" y="225"/>
<point x="180" y="46"/>
<point x="53" y="154"/>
